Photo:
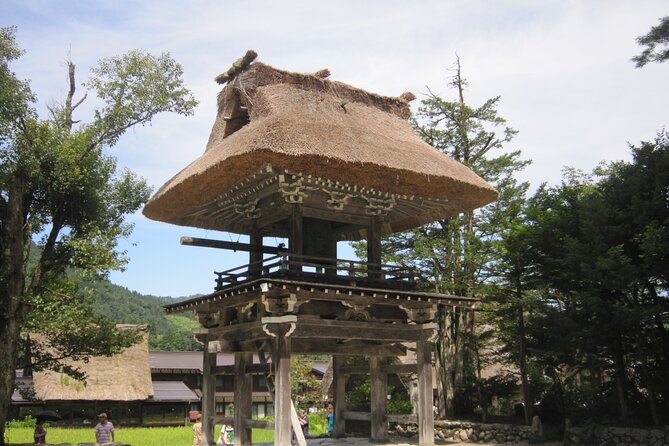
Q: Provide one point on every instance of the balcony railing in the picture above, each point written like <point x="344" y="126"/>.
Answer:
<point x="321" y="269"/>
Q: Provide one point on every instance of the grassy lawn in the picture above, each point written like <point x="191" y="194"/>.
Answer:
<point x="142" y="436"/>
<point x="135" y="436"/>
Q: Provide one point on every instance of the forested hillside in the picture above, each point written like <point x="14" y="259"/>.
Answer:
<point x="168" y="332"/>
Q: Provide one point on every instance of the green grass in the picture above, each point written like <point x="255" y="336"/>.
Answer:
<point x="135" y="436"/>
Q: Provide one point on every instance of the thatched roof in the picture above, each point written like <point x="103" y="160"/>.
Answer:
<point x="122" y="377"/>
<point x="304" y="123"/>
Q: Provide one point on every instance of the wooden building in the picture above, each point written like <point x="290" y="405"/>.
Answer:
<point x="120" y="385"/>
<point x="315" y="161"/>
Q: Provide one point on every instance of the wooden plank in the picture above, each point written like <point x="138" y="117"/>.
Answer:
<point x="379" y="400"/>
<point x="390" y="368"/>
<point x="402" y="418"/>
<point x="315" y="346"/>
<point x="260" y="424"/>
<point x="297" y="427"/>
<point x="282" y="399"/>
<point x="367" y="331"/>
<point x="255" y="257"/>
<point x="250" y="368"/>
<point x="208" y="396"/>
<point x="425" y="396"/>
<point x="242" y="399"/>
<point x="358" y="416"/>
<point x="374" y="249"/>
<point x="236" y="246"/>
<point x="339" y="393"/>
<point x="296" y="241"/>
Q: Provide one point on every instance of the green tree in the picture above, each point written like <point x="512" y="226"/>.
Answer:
<point x="656" y="43"/>
<point x="63" y="201"/>
<point x="599" y="245"/>
<point x="455" y="255"/>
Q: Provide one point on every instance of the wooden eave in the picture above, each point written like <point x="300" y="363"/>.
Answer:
<point x="252" y="290"/>
<point x="265" y="199"/>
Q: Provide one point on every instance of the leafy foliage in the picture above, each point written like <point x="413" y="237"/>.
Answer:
<point x="658" y="36"/>
<point x="61" y="191"/>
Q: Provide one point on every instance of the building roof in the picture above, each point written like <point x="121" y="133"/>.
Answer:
<point x="125" y="376"/>
<point x="303" y="123"/>
<point x="191" y="362"/>
<point x="172" y="391"/>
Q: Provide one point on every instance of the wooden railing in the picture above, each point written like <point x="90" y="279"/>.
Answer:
<point x="323" y="269"/>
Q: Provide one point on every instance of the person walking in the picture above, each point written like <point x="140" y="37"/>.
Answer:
<point x="197" y="430"/>
<point x="39" y="436"/>
<point x="104" y="431"/>
<point x="330" y="419"/>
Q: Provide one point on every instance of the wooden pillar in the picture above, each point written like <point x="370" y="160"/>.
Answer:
<point x="208" y="396"/>
<point x="339" y="393"/>
<point x="255" y="239"/>
<point x="379" y="400"/>
<point x="425" y="395"/>
<point x="282" y="398"/>
<point x="296" y="240"/>
<point x="243" y="399"/>
<point x="374" y="248"/>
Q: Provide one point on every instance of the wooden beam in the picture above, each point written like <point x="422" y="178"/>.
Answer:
<point x="282" y="389"/>
<point x="374" y="248"/>
<point x="362" y="348"/>
<point x="390" y="368"/>
<point x="367" y="331"/>
<point x="249" y="368"/>
<point x="379" y="400"/>
<point x="260" y="424"/>
<point x="255" y="256"/>
<point x="339" y="393"/>
<point x="242" y="399"/>
<point x="402" y="418"/>
<point x="296" y="240"/>
<point x="208" y="396"/>
<point x="236" y="246"/>
<point x="358" y="416"/>
<point x="425" y="395"/>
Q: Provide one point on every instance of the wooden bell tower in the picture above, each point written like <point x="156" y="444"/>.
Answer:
<point x="317" y="162"/>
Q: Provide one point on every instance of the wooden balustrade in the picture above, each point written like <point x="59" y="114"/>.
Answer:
<point x="321" y="268"/>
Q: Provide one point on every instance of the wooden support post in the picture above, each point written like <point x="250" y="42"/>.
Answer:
<point x="425" y="395"/>
<point x="296" y="240"/>
<point x="208" y="396"/>
<point x="282" y="398"/>
<point x="242" y="398"/>
<point x="255" y="257"/>
<point x="379" y="400"/>
<point x="374" y="248"/>
<point x="339" y="381"/>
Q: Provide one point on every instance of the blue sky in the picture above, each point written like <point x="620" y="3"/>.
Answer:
<point x="562" y="70"/>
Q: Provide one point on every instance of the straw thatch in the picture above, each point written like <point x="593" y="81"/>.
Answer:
<point x="122" y="377"/>
<point x="304" y="123"/>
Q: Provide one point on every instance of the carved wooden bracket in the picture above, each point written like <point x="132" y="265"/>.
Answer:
<point x="245" y="312"/>
<point x="379" y="206"/>
<point x="279" y="326"/>
<point x="209" y="320"/>
<point x="356" y="312"/>
<point x="279" y="305"/>
<point x="420" y="315"/>
<point x="337" y="200"/>
<point x="431" y="331"/>
<point x="248" y="210"/>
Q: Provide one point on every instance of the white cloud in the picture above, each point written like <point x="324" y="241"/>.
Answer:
<point x="562" y="69"/>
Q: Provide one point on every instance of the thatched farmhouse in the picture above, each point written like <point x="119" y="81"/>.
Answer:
<point x="135" y="387"/>
<point x="120" y="385"/>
